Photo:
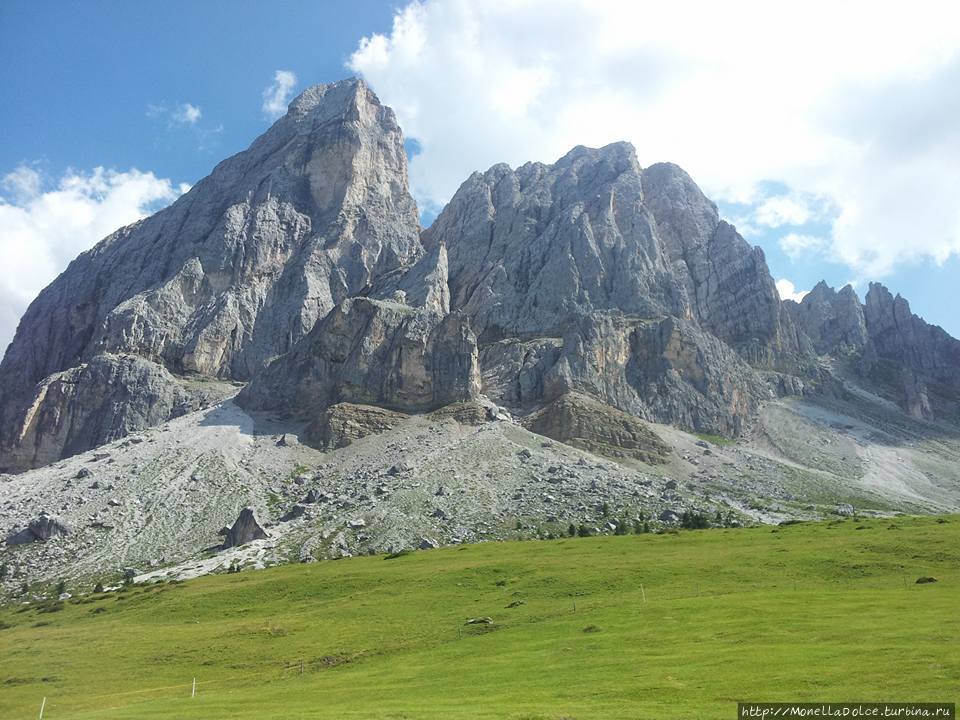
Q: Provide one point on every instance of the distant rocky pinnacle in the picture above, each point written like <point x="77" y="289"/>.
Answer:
<point x="298" y="268"/>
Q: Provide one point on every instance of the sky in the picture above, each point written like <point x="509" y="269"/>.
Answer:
<point x="827" y="132"/>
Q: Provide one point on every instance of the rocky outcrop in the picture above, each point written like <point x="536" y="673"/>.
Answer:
<point x="583" y="422"/>
<point x="342" y="424"/>
<point x="833" y="321"/>
<point x="665" y="370"/>
<point x="372" y="352"/>
<point x="239" y="268"/>
<point x="884" y="343"/>
<point x="920" y="361"/>
<point x="97" y="402"/>
<point x="731" y="292"/>
<point x="245" y="529"/>
<point x="39" y="529"/>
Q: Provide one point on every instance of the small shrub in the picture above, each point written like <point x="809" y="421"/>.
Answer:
<point x="591" y="629"/>
<point x="572" y="530"/>
<point x="98" y="588"/>
<point x="584" y="531"/>
<point x="694" y="520"/>
<point x="61" y="587"/>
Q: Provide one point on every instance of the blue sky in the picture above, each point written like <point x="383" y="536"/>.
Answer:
<point x="78" y="78"/>
<point x="831" y="144"/>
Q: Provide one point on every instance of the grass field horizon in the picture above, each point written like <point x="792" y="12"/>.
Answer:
<point x="673" y="625"/>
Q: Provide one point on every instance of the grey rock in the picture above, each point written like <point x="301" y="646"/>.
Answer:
<point x="96" y="402"/>
<point x="531" y="247"/>
<point x="245" y="529"/>
<point x="833" y="321"/>
<point x="669" y="516"/>
<point x="583" y="422"/>
<point x="229" y="276"/>
<point x="40" y="529"/>
<point x="372" y="352"/>
<point x="344" y="423"/>
<point x="297" y="511"/>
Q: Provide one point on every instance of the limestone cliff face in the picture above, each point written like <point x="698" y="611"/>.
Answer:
<point x="833" y="321"/>
<point x="299" y="265"/>
<point x="238" y="269"/>
<point x="372" y="352"/>
<point x="913" y="363"/>
<point x="99" y="401"/>
<point x="594" y="275"/>
<point x="531" y="249"/>
<point x="921" y="361"/>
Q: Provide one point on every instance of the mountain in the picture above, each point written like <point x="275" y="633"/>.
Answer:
<point x="585" y="342"/>
<point x="228" y="277"/>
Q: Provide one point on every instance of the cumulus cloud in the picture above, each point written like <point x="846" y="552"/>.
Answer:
<point x="796" y="245"/>
<point x="857" y="113"/>
<point x="789" y="292"/>
<point x="277" y="95"/>
<point x="43" y="225"/>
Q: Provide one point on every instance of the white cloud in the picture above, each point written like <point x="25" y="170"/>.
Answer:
<point x="796" y="245"/>
<point x="859" y="114"/>
<point x="42" y="230"/>
<point x="783" y="210"/>
<point x="180" y="114"/>
<point x="789" y="292"/>
<point x="277" y="95"/>
<point x="187" y="114"/>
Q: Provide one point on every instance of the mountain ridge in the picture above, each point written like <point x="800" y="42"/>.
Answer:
<point x="247" y="263"/>
<point x="582" y="343"/>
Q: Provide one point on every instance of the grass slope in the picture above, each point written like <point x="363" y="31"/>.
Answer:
<point x="814" y="612"/>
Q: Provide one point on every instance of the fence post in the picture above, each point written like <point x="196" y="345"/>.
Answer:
<point x="42" y="706"/>
<point x="301" y="666"/>
<point x="643" y="593"/>
<point x="193" y="692"/>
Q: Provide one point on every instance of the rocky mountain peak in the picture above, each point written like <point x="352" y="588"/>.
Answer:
<point x="299" y="266"/>
<point x="233" y="273"/>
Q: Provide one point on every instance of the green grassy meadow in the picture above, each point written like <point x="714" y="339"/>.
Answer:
<point x="665" y="626"/>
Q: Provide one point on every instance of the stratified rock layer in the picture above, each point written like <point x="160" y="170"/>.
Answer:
<point x="583" y="422"/>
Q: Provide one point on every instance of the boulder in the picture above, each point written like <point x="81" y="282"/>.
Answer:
<point x="40" y="529"/>
<point x="245" y="529"/>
